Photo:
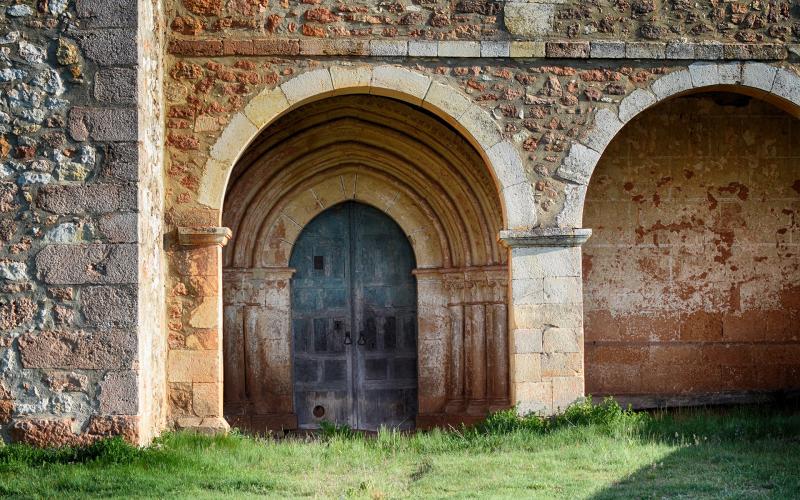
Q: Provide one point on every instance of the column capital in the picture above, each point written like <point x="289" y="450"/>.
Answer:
<point x="203" y="236"/>
<point x="545" y="237"/>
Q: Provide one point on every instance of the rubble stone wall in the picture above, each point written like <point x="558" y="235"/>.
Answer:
<point x="71" y="353"/>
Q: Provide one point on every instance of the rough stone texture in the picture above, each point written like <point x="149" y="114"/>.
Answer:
<point x="87" y="264"/>
<point x="92" y="198"/>
<point x="100" y="350"/>
<point x="119" y="393"/>
<point x="106" y="306"/>
<point x="116" y="85"/>
<point x="68" y="80"/>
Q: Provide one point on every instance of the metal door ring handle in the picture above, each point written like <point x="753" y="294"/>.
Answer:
<point x="347" y="339"/>
<point x="361" y="339"/>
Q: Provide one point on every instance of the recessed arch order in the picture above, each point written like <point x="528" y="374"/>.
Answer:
<point x="475" y="124"/>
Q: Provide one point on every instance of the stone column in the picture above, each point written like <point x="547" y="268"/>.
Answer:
<point x="194" y="368"/>
<point x="546" y="318"/>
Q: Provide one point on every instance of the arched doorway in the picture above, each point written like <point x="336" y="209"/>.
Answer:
<point x="420" y="175"/>
<point x="354" y="319"/>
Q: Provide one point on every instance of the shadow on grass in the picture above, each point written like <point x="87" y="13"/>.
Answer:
<point x="743" y="452"/>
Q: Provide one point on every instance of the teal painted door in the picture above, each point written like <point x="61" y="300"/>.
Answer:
<point x="354" y="321"/>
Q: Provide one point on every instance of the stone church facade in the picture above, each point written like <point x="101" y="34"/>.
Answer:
<point x="592" y="197"/>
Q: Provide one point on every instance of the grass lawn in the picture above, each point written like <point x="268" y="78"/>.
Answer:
<point x="596" y="452"/>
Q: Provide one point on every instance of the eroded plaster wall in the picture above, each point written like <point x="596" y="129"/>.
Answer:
<point x="692" y="275"/>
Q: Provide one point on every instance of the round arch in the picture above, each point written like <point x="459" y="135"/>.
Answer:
<point x="778" y="86"/>
<point x="434" y="184"/>
<point x="474" y="123"/>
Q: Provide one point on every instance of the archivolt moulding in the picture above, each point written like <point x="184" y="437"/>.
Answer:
<point x="473" y="122"/>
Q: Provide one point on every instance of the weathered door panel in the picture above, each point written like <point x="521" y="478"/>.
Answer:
<point x="354" y="276"/>
<point x="321" y="312"/>
<point x="385" y="306"/>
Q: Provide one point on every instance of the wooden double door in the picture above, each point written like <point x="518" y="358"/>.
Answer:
<point x="354" y="321"/>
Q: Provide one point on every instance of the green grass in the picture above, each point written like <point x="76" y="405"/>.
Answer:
<point x="589" y="452"/>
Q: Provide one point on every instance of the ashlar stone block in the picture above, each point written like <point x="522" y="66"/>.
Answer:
<point x="307" y="85"/>
<point x="635" y="103"/>
<point x="265" y="107"/>
<point x="395" y="81"/>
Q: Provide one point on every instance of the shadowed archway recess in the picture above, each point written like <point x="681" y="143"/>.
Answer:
<point x="419" y="171"/>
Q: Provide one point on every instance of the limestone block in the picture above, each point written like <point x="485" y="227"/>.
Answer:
<point x="562" y="290"/>
<point x="537" y="316"/>
<point x="567" y="391"/>
<point x="350" y="77"/>
<point x="207" y="313"/>
<point x="495" y="48"/>
<point x="527" y="367"/>
<point x="645" y="50"/>
<point x="527" y="49"/>
<point x="213" y="182"/>
<point x="207" y="399"/>
<point x="571" y="213"/>
<point x="423" y="48"/>
<point x="445" y="98"/>
<point x="635" y="103"/>
<point x="520" y="206"/>
<point x="455" y="48"/>
<point x="704" y="74"/>
<point x="540" y="262"/>
<point x="605" y="127"/>
<point x="525" y="291"/>
<point x="307" y="85"/>
<point x="579" y="164"/>
<point x="193" y="366"/>
<point x="394" y="81"/>
<point x="709" y="51"/>
<point x="383" y="48"/>
<point x="527" y="341"/>
<point x="602" y="49"/>
<point x="480" y="124"/>
<point x="562" y="340"/>
<point x="529" y="19"/>
<point x="758" y="75"/>
<point x="730" y="73"/>
<point x="236" y="136"/>
<point x="562" y="364"/>
<point x="265" y="107"/>
<point x="671" y="84"/>
<point x="533" y="397"/>
<point x="679" y="50"/>
<point x="787" y="85"/>
<point x="507" y="164"/>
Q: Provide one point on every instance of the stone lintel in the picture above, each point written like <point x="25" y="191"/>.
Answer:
<point x="545" y="237"/>
<point x="529" y="45"/>
<point x="203" y="236"/>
